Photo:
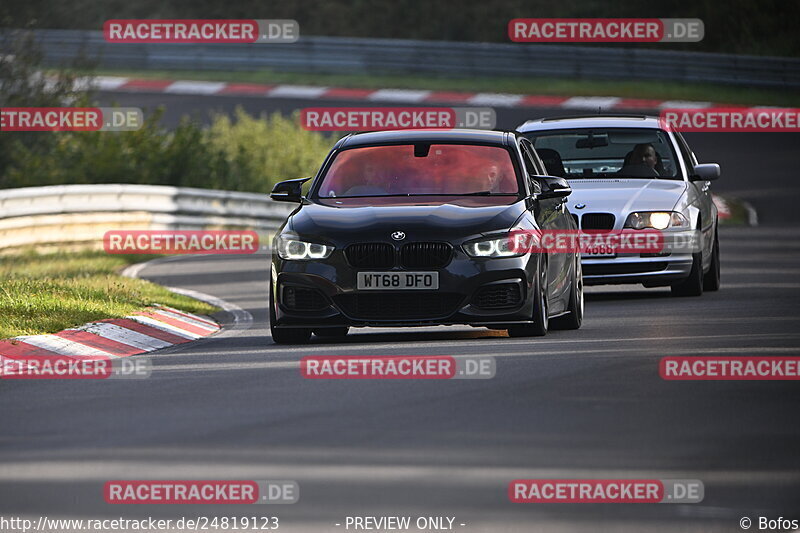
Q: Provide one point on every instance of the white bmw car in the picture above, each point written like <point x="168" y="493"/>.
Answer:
<point x="627" y="173"/>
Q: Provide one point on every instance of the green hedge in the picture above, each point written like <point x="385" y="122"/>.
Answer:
<point x="244" y="153"/>
<point x="259" y="151"/>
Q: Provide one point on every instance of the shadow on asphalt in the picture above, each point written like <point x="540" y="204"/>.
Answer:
<point x="365" y="336"/>
<point x="643" y="294"/>
<point x="414" y="335"/>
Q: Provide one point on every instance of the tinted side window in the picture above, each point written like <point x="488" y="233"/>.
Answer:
<point x="538" y="161"/>
<point x="530" y="159"/>
<point x="530" y="166"/>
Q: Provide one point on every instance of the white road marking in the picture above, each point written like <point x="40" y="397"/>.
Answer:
<point x="195" y="87"/>
<point x="125" y="336"/>
<point x="591" y="102"/>
<point x="111" y="83"/>
<point x="496" y="99"/>
<point x="147" y="321"/>
<point x="684" y="104"/>
<point x="132" y="271"/>
<point x="204" y="320"/>
<point x="63" y="346"/>
<point x="242" y="319"/>
<point x="290" y="463"/>
<point x="186" y="320"/>
<point x="761" y="271"/>
<point x="726" y="285"/>
<point x="108" y="83"/>
<point x="289" y="365"/>
<point x="530" y="344"/>
<point x="398" y="95"/>
<point x="297" y="91"/>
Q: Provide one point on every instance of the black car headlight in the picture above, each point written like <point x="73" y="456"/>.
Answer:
<point x="493" y="247"/>
<point x="300" y="250"/>
<point x="656" y="220"/>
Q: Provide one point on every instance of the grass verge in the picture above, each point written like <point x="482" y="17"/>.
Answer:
<point x="657" y="90"/>
<point x="45" y="293"/>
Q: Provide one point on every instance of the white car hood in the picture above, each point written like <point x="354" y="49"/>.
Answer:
<point x="622" y="196"/>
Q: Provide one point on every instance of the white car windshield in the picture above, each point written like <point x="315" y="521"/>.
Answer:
<point x="606" y="153"/>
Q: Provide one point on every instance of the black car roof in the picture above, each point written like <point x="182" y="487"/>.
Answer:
<point x="399" y="136"/>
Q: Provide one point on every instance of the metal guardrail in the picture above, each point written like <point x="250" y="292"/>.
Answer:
<point x="81" y="214"/>
<point x="393" y="56"/>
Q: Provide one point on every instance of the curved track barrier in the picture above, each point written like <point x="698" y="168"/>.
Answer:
<point x="81" y="214"/>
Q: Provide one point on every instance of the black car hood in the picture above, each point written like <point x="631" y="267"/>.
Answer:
<point x="420" y="221"/>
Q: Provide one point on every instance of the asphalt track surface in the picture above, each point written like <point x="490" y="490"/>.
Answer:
<point x="580" y="404"/>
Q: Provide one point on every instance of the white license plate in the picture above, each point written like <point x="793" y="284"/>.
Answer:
<point x="397" y="280"/>
<point x="598" y="252"/>
<point x="598" y="255"/>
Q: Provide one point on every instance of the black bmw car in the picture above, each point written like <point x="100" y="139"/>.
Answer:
<point x="411" y="228"/>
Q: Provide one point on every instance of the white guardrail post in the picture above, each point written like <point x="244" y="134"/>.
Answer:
<point x="82" y="214"/>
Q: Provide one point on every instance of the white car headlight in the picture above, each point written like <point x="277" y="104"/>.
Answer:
<point x="297" y="250"/>
<point x="656" y="220"/>
<point x="492" y="247"/>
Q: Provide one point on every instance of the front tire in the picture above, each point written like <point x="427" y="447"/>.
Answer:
<point x="711" y="279"/>
<point x="540" y="309"/>
<point x="574" y="318"/>
<point x="693" y="285"/>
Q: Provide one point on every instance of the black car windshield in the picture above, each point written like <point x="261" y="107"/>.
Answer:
<point x="420" y="170"/>
<point x="606" y="153"/>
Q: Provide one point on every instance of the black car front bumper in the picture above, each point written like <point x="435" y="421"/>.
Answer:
<point x="473" y="291"/>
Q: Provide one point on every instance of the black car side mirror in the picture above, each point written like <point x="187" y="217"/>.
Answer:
<point x="705" y="172"/>
<point x="553" y="187"/>
<point x="289" y="190"/>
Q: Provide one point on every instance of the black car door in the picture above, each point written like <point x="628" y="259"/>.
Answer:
<point x="551" y="215"/>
